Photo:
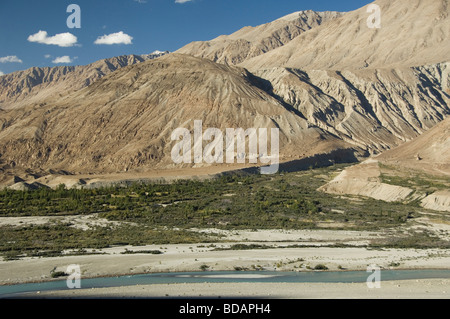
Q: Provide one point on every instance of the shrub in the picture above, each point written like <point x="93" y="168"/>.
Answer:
<point x="57" y="274"/>
<point x="320" y="267"/>
<point x="238" y="268"/>
<point x="130" y="252"/>
<point x="204" y="267"/>
<point x="394" y="264"/>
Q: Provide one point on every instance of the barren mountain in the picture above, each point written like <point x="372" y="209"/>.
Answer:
<point x="124" y="121"/>
<point x="429" y="152"/>
<point x="372" y="109"/>
<point x="416" y="170"/>
<point x="250" y="42"/>
<point x="336" y="92"/>
<point x="36" y="84"/>
<point x="339" y="74"/>
<point x="412" y="33"/>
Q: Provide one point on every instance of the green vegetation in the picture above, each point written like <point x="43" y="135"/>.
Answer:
<point x="245" y="247"/>
<point x="204" y="267"/>
<point x="283" y="201"/>
<point x="413" y="239"/>
<point x="52" y="240"/>
<point x="320" y="267"/>
<point x="165" y="213"/>
<point x="394" y="264"/>
<point x="239" y="268"/>
<point x="131" y="252"/>
<point x="57" y="274"/>
<point x="418" y="181"/>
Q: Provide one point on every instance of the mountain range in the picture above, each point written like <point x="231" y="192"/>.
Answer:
<point x="37" y="84"/>
<point x="337" y="89"/>
<point x="250" y="42"/>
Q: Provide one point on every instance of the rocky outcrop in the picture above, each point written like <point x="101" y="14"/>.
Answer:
<point x="38" y="84"/>
<point x="429" y="153"/>
<point x="364" y="180"/>
<point x="434" y="165"/>
<point x="437" y="201"/>
<point x="250" y="42"/>
<point x="412" y="33"/>
<point x="372" y="88"/>
<point x="372" y="109"/>
<point x="124" y="121"/>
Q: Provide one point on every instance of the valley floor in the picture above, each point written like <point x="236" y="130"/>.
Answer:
<point x="299" y="250"/>
<point x="407" y="289"/>
<point x="126" y="231"/>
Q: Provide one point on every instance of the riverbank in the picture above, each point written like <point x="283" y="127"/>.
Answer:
<point x="189" y="258"/>
<point x="245" y="250"/>
<point x="405" y="289"/>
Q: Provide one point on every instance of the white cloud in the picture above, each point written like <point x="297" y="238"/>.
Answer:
<point x="61" y="39"/>
<point x="62" y="59"/>
<point x="114" y="38"/>
<point x="141" y="1"/>
<point x="47" y="56"/>
<point x="1" y="73"/>
<point x="182" y="1"/>
<point x="10" y="59"/>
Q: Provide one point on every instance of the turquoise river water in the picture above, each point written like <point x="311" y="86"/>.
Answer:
<point x="224" y="277"/>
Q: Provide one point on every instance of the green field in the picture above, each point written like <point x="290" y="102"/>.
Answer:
<point x="167" y="213"/>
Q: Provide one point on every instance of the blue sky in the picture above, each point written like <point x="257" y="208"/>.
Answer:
<point x="35" y="33"/>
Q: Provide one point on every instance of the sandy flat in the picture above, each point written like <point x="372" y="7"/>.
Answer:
<point x="310" y="250"/>
<point x="83" y="222"/>
<point x="186" y="258"/>
<point x="423" y="288"/>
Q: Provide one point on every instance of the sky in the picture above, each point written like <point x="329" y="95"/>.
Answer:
<point x="37" y="33"/>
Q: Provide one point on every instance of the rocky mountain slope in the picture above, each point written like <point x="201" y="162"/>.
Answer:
<point x="338" y="90"/>
<point x="250" y="42"/>
<point x="373" y="88"/>
<point x="418" y="170"/>
<point x="430" y="152"/>
<point x="35" y="84"/>
<point x="372" y="109"/>
<point x="412" y="33"/>
<point x="124" y="121"/>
